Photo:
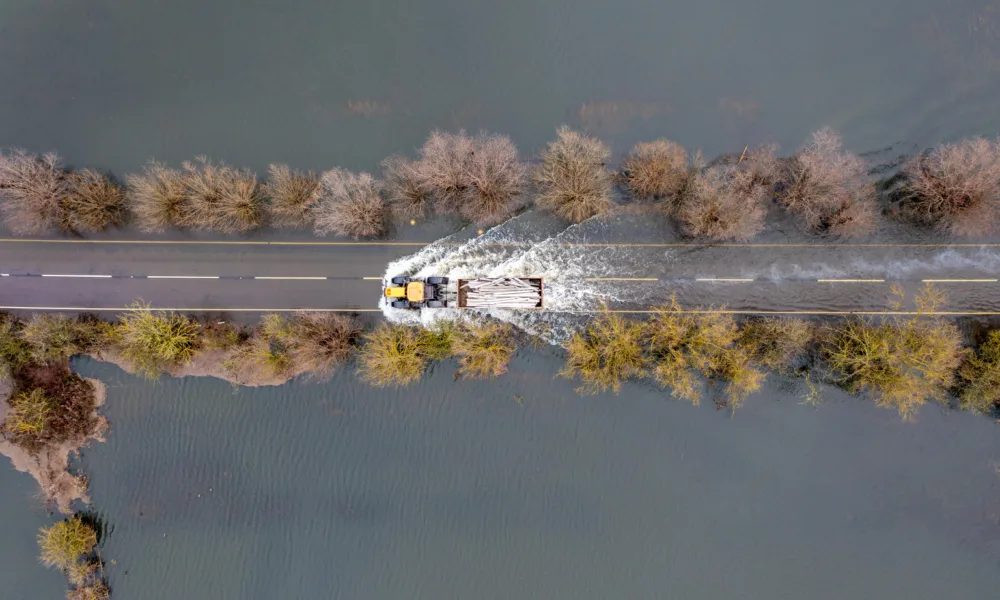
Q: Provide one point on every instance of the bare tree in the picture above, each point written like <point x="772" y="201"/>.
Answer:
<point x="293" y="195"/>
<point x="222" y="198"/>
<point x="572" y="180"/>
<point x="444" y="160"/>
<point x="656" y="170"/>
<point x="481" y="178"/>
<point x="321" y="342"/>
<point x="955" y="187"/>
<point x="158" y="197"/>
<point x="33" y="189"/>
<point x="350" y="205"/>
<point x="94" y="203"/>
<point x="829" y="188"/>
<point x="761" y="168"/>
<point x="723" y="203"/>
<point x="406" y="187"/>
<point x="496" y="179"/>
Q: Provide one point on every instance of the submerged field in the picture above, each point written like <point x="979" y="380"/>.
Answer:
<point x="517" y="487"/>
<point x="520" y="487"/>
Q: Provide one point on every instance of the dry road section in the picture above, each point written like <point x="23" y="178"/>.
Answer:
<point x="259" y="276"/>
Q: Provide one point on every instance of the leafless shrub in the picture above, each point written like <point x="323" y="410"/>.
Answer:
<point x="293" y="195"/>
<point x="444" y="161"/>
<point x="158" y="197"/>
<point x="761" y="168"/>
<point x="656" y="171"/>
<point x="829" y="188"/>
<point x="94" y="203"/>
<point x="406" y="187"/>
<point x="350" y="205"/>
<point x="481" y="178"/>
<point x="323" y="341"/>
<point x="33" y="189"/>
<point x="722" y="203"/>
<point x="572" y="180"/>
<point x="956" y="187"/>
<point x="222" y="198"/>
<point x="496" y="180"/>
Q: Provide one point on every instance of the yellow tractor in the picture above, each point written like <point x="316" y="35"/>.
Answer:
<point x="406" y="292"/>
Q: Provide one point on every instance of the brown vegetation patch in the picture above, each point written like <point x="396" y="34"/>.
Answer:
<point x="656" y="170"/>
<point x="496" y="179"/>
<point x="829" y="188"/>
<point x="222" y="198"/>
<point x="322" y="342"/>
<point x="406" y="187"/>
<point x="33" y="189"/>
<point x="778" y="344"/>
<point x="350" y="205"/>
<point x="94" y="203"/>
<point x="979" y="377"/>
<point x="49" y="405"/>
<point x="480" y="178"/>
<point x="721" y="204"/>
<point x="294" y="196"/>
<point x="572" y="180"/>
<point x="955" y="187"/>
<point x="158" y="197"/>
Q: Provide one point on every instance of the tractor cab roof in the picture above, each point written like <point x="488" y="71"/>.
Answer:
<point x="415" y="291"/>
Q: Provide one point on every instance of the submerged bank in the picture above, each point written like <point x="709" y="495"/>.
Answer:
<point x="684" y="352"/>
<point x="49" y="464"/>
<point x="900" y="362"/>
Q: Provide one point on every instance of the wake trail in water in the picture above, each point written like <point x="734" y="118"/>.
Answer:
<point x="506" y="250"/>
<point x="528" y="246"/>
<point x="947" y="263"/>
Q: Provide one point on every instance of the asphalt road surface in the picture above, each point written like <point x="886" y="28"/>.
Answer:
<point x="77" y="275"/>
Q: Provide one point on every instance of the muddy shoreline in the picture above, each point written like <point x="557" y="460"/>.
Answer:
<point x="50" y="467"/>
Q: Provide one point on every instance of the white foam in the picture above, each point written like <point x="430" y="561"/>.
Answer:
<point x="562" y="267"/>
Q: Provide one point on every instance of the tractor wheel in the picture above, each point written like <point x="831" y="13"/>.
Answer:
<point x="399" y="281"/>
<point x="435" y="304"/>
<point x="400" y="304"/>
<point x="437" y="280"/>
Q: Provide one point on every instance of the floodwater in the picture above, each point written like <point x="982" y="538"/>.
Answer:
<point x="114" y="83"/>
<point x="521" y="489"/>
<point x="514" y="488"/>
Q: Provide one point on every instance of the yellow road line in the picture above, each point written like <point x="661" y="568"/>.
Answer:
<point x="187" y="309"/>
<point x="959" y="280"/>
<point x="532" y="243"/>
<point x="851" y="280"/>
<point x="620" y="279"/>
<point x="791" y="312"/>
<point x="586" y="311"/>
<point x="209" y="242"/>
